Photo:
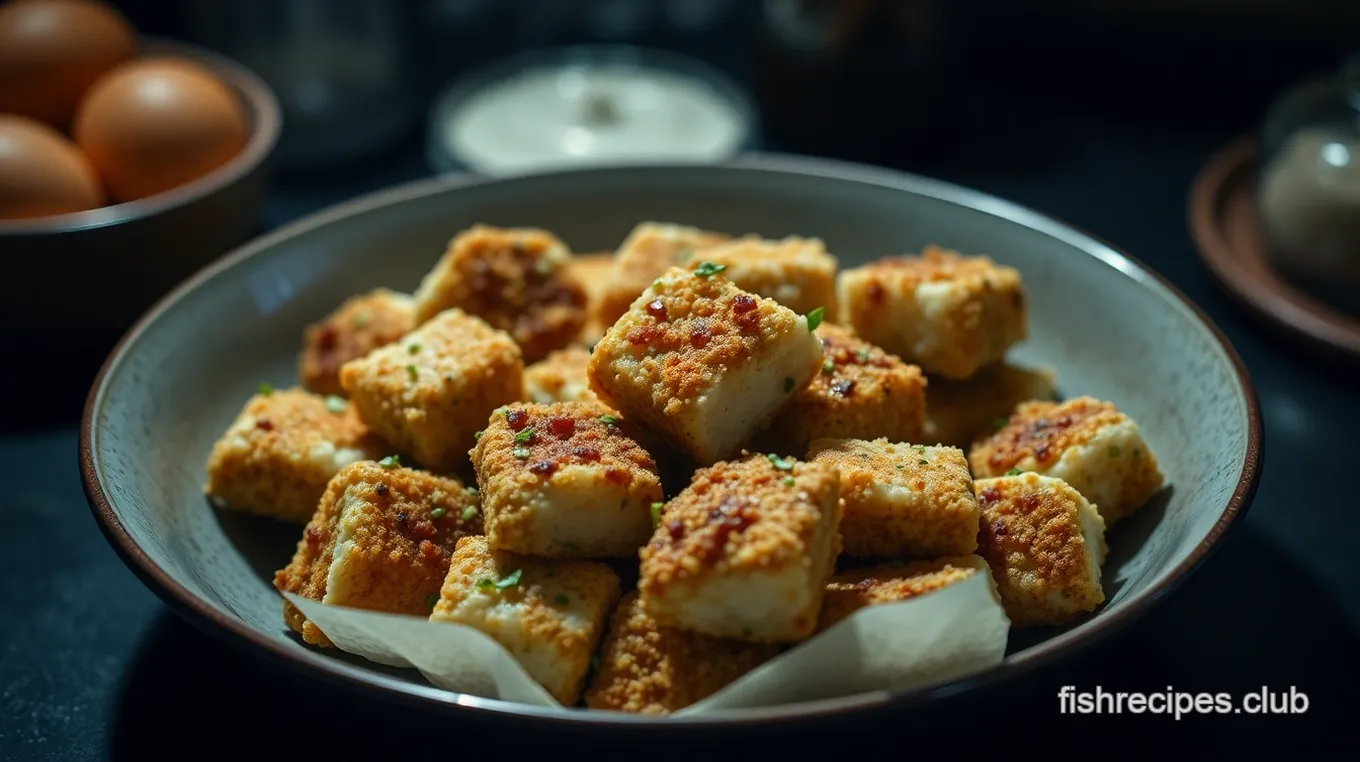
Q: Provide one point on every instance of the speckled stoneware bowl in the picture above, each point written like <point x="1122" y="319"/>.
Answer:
<point x="1110" y="328"/>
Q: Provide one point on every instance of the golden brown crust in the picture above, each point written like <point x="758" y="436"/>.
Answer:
<point x="796" y="272"/>
<point x="649" y="250"/>
<point x="560" y="377"/>
<point x="516" y="279"/>
<point x="855" y="589"/>
<point x="594" y="272"/>
<point x="1042" y="431"/>
<point x="358" y="326"/>
<point x="282" y="449"/>
<point x="403" y="525"/>
<point x="646" y="668"/>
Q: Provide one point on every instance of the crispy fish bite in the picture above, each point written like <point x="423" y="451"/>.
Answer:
<point x="381" y="540"/>
<point x="958" y="411"/>
<point x="796" y="272"/>
<point x="282" y="449"/>
<point x="744" y="552"/>
<point x="891" y="582"/>
<point x="648" y="251"/>
<point x="358" y="326"/>
<point x="900" y="499"/>
<point x="516" y="279"/>
<point x="945" y="312"/>
<point x="703" y="362"/>
<point x="594" y="272"/>
<point x="649" y="669"/>
<point x="1085" y="442"/>
<point x="559" y="377"/>
<point x="428" y="393"/>
<point x="861" y="392"/>
<point x="565" y="480"/>
<point x="1045" y="544"/>
<point x="548" y="614"/>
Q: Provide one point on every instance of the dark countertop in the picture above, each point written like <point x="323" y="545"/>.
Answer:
<point x="93" y="665"/>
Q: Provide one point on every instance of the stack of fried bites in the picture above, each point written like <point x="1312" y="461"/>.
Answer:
<point x="732" y="419"/>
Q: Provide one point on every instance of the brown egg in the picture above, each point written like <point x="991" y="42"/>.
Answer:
<point x="51" y="51"/>
<point x="41" y="172"/>
<point x="155" y="124"/>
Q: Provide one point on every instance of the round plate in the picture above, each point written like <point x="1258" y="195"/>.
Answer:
<point x="1107" y="325"/>
<point x="1224" y="224"/>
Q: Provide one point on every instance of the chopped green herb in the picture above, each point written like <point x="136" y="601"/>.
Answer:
<point x="919" y="448"/>
<point x="432" y="599"/>
<point x="828" y="366"/>
<point x="361" y="319"/>
<point x="473" y="491"/>
<point x="562" y="600"/>
<point x="412" y="349"/>
<point x="468" y="513"/>
<point x="901" y="466"/>
<point x="788" y="385"/>
<point x="391" y="461"/>
<point x="683" y="255"/>
<point x="477" y="436"/>
<point x="656" y="283"/>
<point x="520" y="452"/>
<point x="814" y="318"/>
<point x="413" y="372"/>
<point x="706" y="269"/>
<point x="1114" y="451"/>
<point x="863" y="354"/>
<point x="526" y="435"/>
<point x="502" y="410"/>
<point x="923" y="462"/>
<point x="782" y="465"/>
<point x="437" y="513"/>
<point x="608" y="419"/>
<point x="485" y="584"/>
<point x="789" y="481"/>
<point x="1014" y="472"/>
<point x="510" y="580"/>
<point x="266" y="390"/>
<point x="335" y="404"/>
<point x="656" y="513"/>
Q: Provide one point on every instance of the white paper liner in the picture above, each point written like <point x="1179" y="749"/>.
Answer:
<point x="947" y="634"/>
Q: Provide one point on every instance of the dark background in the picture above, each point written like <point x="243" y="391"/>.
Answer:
<point x="1097" y="113"/>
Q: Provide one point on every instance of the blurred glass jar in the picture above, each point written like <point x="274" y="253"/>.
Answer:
<point x="338" y="67"/>
<point x="1308" y="200"/>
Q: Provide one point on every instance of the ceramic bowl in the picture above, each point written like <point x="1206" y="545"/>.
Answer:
<point x="1109" y="326"/>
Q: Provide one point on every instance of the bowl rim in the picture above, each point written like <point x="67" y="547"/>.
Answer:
<point x="341" y="673"/>
<point x="264" y="136"/>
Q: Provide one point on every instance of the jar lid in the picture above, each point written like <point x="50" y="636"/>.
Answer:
<point x="588" y="106"/>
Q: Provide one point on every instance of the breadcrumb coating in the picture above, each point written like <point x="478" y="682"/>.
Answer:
<point x="646" y="668"/>
<point x="358" y="326"/>
<point x="948" y="313"/>
<point x="560" y="377"/>
<point x="281" y="450"/>
<point x="516" y="279"/>
<point x="428" y="393"/>
<point x="797" y="272"/>
<point x="1086" y="442"/>
<point x="861" y="392"/>
<point x="1045" y="544"/>
<point x="549" y="614"/>
<point x="745" y="550"/>
<point x="566" y="479"/>
<point x="902" y="500"/>
<point x="594" y="272"/>
<point x="855" y="589"/>
<point x="958" y="412"/>
<point x="650" y="249"/>
<point x="381" y="539"/>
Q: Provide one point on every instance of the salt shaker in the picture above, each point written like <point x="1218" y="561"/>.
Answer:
<point x="1308" y="197"/>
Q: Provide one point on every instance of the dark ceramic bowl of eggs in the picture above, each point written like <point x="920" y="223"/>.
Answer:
<point x="126" y="163"/>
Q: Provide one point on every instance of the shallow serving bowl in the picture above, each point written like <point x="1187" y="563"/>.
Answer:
<point x="1108" y="326"/>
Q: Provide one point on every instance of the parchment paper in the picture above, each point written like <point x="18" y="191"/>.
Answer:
<point x="949" y="633"/>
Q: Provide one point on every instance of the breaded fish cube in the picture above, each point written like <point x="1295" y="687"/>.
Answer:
<point x="565" y="480"/>
<point x="900" y="499"/>
<point x="358" y="326"/>
<point x="549" y="614"/>
<point x="649" y="669"/>
<point x="1087" y="443"/>
<point x="281" y="450"/>
<point x="957" y="412"/>
<point x="703" y="362"/>
<point x="559" y="377"/>
<point x="796" y="272"/>
<point x="516" y="279"/>
<point x="855" y="589"/>
<point x="429" y="393"/>
<point x="650" y="249"/>
<point x="1045" y="544"/>
<point x="945" y="312"/>
<point x="861" y="392"/>
<point x="594" y="272"/>
<point x="745" y="551"/>
<point x="381" y="540"/>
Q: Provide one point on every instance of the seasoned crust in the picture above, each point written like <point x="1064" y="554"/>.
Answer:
<point x="650" y="249"/>
<point x="281" y="450"/>
<point x="861" y="392"/>
<point x="560" y="377"/>
<point x="957" y="412"/>
<point x="516" y="279"/>
<point x="1044" y="543"/>
<point x="855" y="589"/>
<point x="797" y="272"/>
<point x="397" y="527"/>
<point x="358" y="326"/>
<point x="646" y="668"/>
<point x="902" y="500"/>
<point x="594" y="272"/>
<point x="1042" y="431"/>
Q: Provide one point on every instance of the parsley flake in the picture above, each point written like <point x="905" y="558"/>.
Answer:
<point x="1014" y="472"/>
<point x="413" y="372"/>
<point x="520" y="452"/>
<point x="923" y="462"/>
<point x="412" y="349"/>
<point x="391" y="461"/>
<point x="477" y="436"/>
<point x="814" y="318"/>
<point x="510" y="580"/>
<point x="335" y="403"/>
<point x="788" y="385"/>
<point x="266" y="390"/>
<point x="437" y="513"/>
<point x="828" y="366"/>
<point x="656" y="513"/>
<point x="562" y="600"/>
<point x="485" y="584"/>
<point x="609" y="420"/>
<point x="526" y="435"/>
<point x="473" y="491"/>
<point x="789" y="481"/>
<point x="706" y="269"/>
<point x="862" y="355"/>
<point x="782" y="465"/>
<point x="468" y="513"/>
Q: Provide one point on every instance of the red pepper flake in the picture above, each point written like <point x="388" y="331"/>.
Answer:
<point x="313" y="535"/>
<point x="875" y="292"/>
<point x="1043" y="453"/>
<point x="656" y="309"/>
<point x="699" y="337"/>
<point x="989" y="495"/>
<point x="742" y="304"/>
<point x="326" y="337"/>
<point x="676" y="529"/>
<point x="517" y="419"/>
<point x="429" y="550"/>
<point x="642" y="335"/>
<point x="843" y="388"/>
<point x="562" y="427"/>
<point x="382" y="490"/>
<point x="542" y="467"/>
<point x="586" y="453"/>
<point x="264" y="424"/>
<point x="616" y="475"/>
